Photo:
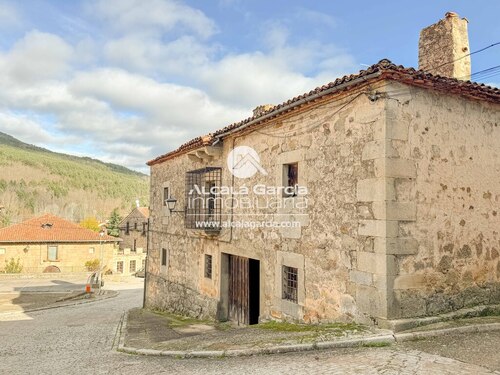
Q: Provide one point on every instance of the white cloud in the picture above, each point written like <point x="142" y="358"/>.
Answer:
<point x="150" y="55"/>
<point x="152" y="79"/>
<point x="157" y="15"/>
<point x="23" y="127"/>
<point x="9" y="16"/>
<point x="37" y="56"/>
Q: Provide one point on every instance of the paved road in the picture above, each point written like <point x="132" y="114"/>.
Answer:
<point x="81" y="339"/>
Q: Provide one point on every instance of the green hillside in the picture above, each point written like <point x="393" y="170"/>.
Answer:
<point x="34" y="180"/>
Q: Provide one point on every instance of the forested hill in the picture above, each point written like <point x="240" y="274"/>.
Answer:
<point x="34" y="180"/>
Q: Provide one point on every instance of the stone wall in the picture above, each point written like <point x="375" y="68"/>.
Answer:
<point x="71" y="256"/>
<point x="454" y="144"/>
<point x="327" y="140"/>
<point x="401" y="216"/>
<point x="137" y="232"/>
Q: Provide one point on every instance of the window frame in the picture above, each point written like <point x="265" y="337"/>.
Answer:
<point x="119" y="262"/>
<point x="166" y="195"/>
<point x="208" y="266"/>
<point x="130" y="268"/>
<point x="48" y="253"/>
<point x="163" y="257"/>
<point x="202" y="209"/>
<point x="290" y="178"/>
<point x="290" y="284"/>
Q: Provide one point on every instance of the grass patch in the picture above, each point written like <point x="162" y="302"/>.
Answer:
<point x="380" y="344"/>
<point x="293" y="327"/>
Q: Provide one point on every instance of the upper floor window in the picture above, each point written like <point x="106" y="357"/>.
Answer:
<point x="52" y="253"/>
<point x="135" y="226"/>
<point x="290" y="179"/>
<point x="166" y="195"/>
<point x="163" y="257"/>
<point x="144" y="229"/>
<point x="127" y="229"/>
<point x="203" y="210"/>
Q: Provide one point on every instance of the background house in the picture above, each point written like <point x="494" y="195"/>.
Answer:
<point x="51" y="244"/>
<point x="401" y="168"/>
<point x="131" y="255"/>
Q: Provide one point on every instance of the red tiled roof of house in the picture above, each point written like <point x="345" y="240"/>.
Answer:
<point x="384" y="69"/>
<point x="50" y="228"/>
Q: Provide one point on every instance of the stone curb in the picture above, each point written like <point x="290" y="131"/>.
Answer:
<point x="475" y="328"/>
<point x="367" y="341"/>
<point x="381" y="340"/>
<point x="109" y="294"/>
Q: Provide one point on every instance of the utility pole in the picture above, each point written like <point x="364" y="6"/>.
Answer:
<point x="101" y="235"/>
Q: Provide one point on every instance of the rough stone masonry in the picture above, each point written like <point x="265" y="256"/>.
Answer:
<point x="402" y="216"/>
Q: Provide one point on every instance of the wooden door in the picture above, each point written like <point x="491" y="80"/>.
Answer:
<point x="239" y="289"/>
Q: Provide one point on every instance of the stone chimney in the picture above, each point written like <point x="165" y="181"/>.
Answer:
<point x="262" y="109"/>
<point x="443" y="47"/>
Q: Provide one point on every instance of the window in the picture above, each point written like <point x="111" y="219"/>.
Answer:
<point x="52" y="253"/>
<point x="134" y="249"/>
<point x="2" y="251"/>
<point x="166" y="195"/>
<point x="203" y="210"/>
<point x="119" y="266"/>
<point x="127" y="230"/>
<point x="91" y="250"/>
<point x="132" y="266"/>
<point x="208" y="266"/>
<point x="135" y="226"/>
<point x="164" y="257"/>
<point x="290" y="179"/>
<point x="290" y="284"/>
<point x="143" y="264"/>
<point x="143" y="229"/>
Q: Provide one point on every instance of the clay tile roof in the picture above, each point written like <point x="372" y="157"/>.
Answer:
<point x="49" y="228"/>
<point x="144" y="211"/>
<point x="383" y="69"/>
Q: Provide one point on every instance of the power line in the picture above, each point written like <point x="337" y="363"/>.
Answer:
<point x="464" y="56"/>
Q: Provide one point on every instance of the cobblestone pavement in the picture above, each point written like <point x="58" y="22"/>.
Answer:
<point x="81" y="339"/>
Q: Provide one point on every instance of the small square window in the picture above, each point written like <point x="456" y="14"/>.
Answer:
<point x="164" y="257"/>
<point x="133" y="266"/>
<point x="208" y="266"/>
<point x="119" y="266"/>
<point x="91" y="250"/>
<point x="290" y="286"/>
<point x="290" y="179"/>
<point x="2" y="251"/>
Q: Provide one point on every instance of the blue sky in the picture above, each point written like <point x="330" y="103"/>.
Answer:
<point x="127" y="80"/>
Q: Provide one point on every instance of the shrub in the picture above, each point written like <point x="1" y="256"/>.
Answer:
<point x="13" y="266"/>
<point x="92" y="265"/>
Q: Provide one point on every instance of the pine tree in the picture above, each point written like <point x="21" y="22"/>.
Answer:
<point x="114" y="223"/>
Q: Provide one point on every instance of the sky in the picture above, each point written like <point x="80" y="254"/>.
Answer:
<point x="127" y="80"/>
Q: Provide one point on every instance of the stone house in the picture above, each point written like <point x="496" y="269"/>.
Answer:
<point x="51" y="244"/>
<point x="131" y="256"/>
<point x="372" y="198"/>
